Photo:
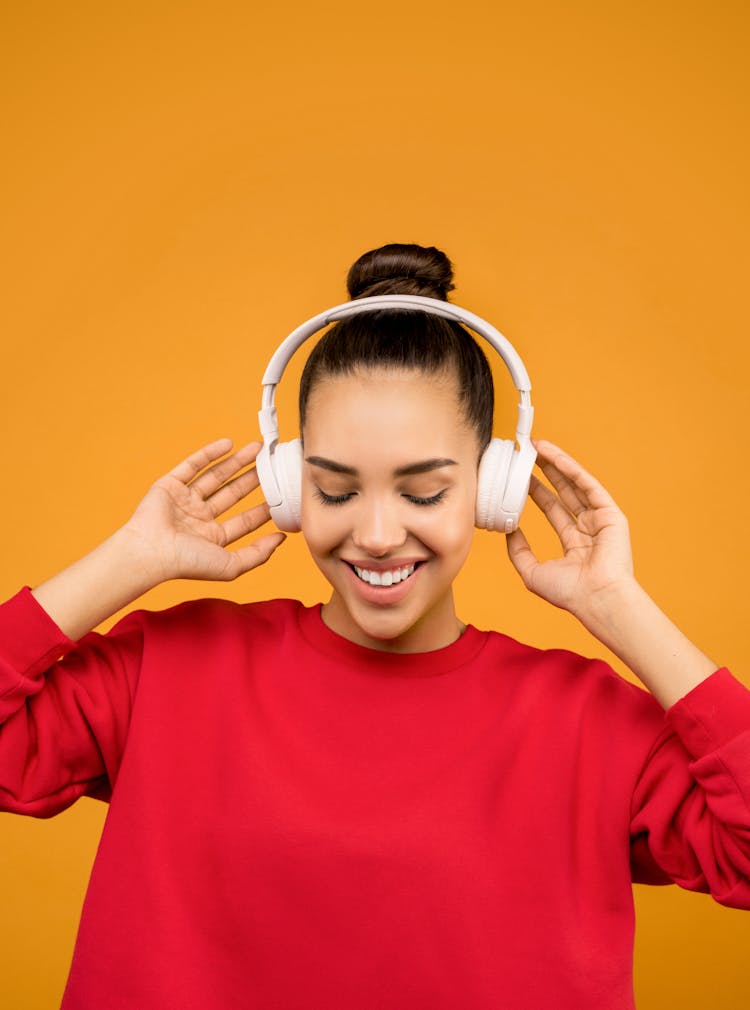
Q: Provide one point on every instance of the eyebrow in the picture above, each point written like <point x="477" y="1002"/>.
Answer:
<point x="423" y="466"/>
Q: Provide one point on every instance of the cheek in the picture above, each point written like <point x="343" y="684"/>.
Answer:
<point x="464" y="504"/>
<point x="322" y="526"/>
<point x="457" y="541"/>
<point x="460" y="532"/>
<point x="448" y="530"/>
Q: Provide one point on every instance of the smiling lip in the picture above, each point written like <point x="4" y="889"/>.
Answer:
<point x="391" y="565"/>
<point x="383" y="595"/>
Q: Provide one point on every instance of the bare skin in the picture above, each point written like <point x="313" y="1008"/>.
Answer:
<point x="177" y="531"/>
<point x="594" y="579"/>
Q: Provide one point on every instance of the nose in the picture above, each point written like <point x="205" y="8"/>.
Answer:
<point x="378" y="527"/>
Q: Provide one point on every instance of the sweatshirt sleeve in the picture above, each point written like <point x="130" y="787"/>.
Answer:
<point x="64" y="708"/>
<point x="690" y="819"/>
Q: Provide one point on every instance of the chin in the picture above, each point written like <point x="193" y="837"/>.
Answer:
<point x="384" y="628"/>
<point x="418" y="627"/>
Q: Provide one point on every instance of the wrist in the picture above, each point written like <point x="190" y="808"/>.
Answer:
<point x="637" y="631"/>
<point x="98" y="585"/>
<point x="145" y="564"/>
<point x="605" y="612"/>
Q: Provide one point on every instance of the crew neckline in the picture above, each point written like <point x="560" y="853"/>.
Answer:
<point x="389" y="664"/>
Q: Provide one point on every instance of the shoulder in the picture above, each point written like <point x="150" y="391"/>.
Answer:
<point x="569" y="680"/>
<point x="558" y="694"/>
<point x="212" y="616"/>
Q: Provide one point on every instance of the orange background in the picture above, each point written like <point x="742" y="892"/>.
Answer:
<point x="184" y="183"/>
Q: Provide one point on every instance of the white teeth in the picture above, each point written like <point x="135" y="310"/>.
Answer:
<point x="384" y="578"/>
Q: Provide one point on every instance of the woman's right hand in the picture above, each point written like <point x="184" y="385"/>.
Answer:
<point x="176" y="532"/>
<point x="178" y="525"/>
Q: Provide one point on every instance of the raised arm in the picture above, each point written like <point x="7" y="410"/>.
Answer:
<point x="175" y="532"/>
<point x="594" y="579"/>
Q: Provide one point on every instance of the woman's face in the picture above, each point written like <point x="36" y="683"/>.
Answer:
<point x="388" y="503"/>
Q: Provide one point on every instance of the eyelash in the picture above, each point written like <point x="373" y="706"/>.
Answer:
<point x="331" y="499"/>
<point x="433" y="500"/>
<point x="342" y="499"/>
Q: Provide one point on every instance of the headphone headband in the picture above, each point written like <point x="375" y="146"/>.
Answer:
<point x="433" y="306"/>
<point x="504" y="474"/>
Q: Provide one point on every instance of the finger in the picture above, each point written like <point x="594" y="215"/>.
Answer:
<point x="558" y="516"/>
<point x="199" y="460"/>
<point x="244" y="559"/>
<point x="212" y="479"/>
<point x="553" y="461"/>
<point x="588" y="524"/>
<point x="246" y="522"/>
<point x="521" y="555"/>
<point x="232" y="492"/>
<point x="573" y="499"/>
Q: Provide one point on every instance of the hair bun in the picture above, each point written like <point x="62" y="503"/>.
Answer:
<point x="398" y="269"/>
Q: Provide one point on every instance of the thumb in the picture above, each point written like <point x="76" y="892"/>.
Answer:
<point x="521" y="555"/>
<point x="257" y="553"/>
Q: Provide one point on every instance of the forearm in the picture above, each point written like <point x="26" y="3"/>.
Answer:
<point x="98" y="585"/>
<point x="633" y="627"/>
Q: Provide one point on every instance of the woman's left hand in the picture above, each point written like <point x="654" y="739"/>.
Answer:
<point x="592" y="530"/>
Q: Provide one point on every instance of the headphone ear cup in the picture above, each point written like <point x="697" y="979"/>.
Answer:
<point x="503" y="484"/>
<point x="287" y="466"/>
<point x="517" y="491"/>
<point x="492" y="479"/>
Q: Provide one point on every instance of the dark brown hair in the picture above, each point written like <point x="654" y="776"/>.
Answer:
<point x="398" y="338"/>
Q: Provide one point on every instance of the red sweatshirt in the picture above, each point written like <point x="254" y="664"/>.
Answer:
<point x="300" y="823"/>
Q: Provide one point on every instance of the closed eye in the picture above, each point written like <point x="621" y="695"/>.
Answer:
<point x="341" y="499"/>
<point x="433" y="500"/>
<point x="332" y="499"/>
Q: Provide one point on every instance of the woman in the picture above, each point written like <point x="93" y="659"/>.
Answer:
<point x="370" y="803"/>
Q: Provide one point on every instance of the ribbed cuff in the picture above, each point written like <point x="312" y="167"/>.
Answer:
<point x="30" y="641"/>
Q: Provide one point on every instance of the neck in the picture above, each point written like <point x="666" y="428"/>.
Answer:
<point x="435" y="629"/>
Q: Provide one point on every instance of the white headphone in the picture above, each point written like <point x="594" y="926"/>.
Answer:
<point x="504" y="470"/>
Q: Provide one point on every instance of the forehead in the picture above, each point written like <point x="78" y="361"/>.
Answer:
<point x="396" y="413"/>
